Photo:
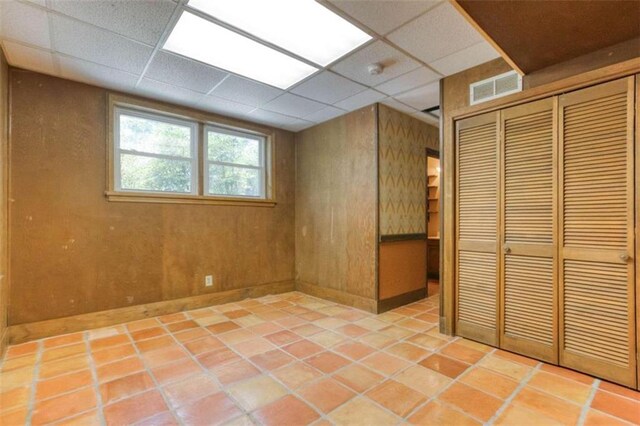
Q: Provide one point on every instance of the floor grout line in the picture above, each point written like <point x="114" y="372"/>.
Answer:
<point x="516" y="391"/>
<point x="94" y="379"/>
<point x="587" y="404"/>
<point x="34" y="381"/>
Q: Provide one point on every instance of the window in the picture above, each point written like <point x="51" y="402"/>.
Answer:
<point x="155" y="153"/>
<point x="170" y="157"/>
<point x="234" y="163"/>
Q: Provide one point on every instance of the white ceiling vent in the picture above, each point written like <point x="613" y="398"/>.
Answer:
<point x="495" y="87"/>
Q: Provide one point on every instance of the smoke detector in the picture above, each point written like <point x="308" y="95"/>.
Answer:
<point x="375" y="69"/>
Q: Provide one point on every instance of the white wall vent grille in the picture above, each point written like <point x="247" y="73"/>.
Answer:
<point x="495" y="87"/>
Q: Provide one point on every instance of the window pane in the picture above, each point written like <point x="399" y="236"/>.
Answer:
<point x="229" y="180"/>
<point x="233" y="149"/>
<point x="154" y="174"/>
<point x="155" y="137"/>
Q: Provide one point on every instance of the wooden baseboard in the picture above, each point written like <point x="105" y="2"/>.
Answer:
<point x="338" y="296"/>
<point x="4" y="341"/>
<point x="36" y="330"/>
<point x="401" y="299"/>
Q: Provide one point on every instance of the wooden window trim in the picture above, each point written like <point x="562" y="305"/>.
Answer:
<point x="203" y="120"/>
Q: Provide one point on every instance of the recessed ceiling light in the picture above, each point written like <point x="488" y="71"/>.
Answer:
<point x="207" y="42"/>
<point x="303" y="27"/>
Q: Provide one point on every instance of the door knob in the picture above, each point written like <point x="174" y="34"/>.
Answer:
<point x="625" y="257"/>
<point x="507" y="249"/>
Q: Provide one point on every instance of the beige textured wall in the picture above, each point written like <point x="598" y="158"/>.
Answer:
<point x="402" y="162"/>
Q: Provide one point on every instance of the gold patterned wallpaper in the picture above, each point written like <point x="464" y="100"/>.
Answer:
<point x="402" y="171"/>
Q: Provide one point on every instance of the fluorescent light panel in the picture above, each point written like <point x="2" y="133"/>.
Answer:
<point x="303" y="27"/>
<point x="207" y="42"/>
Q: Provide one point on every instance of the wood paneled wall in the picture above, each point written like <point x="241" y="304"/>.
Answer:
<point x="73" y="252"/>
<point x="4" y="273"/>
<point x="336" y="209"/>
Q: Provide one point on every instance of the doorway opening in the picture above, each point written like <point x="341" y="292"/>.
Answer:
<point x="433" y="222"/>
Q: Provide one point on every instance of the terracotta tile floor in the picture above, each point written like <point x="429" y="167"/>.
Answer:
<point x="293" y="359"/>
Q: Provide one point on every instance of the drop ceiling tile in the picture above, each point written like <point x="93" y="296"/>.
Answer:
<point x="299" y="125"/>
<point x="436" y="34"/>
<point x="225" y="106"/>
<point x="29" y="58"/>
<point x="165" y="92"/>
<point x="427" y="118"/>
<point x="294" y="106"/>
<point x="42" y="3"/>
<point x="360" y="100"/>
<point x="99" y="75"/>
<point x="246" y="91"/>
<point x="24" y="23"/>
<point x="179" y="71"/>
<point x="271" y="118"/>
<point x="141" y="20"/>
<point x="465" y="58"/>
<point x="411" y="80"/>
<point x="423" y="97"/>
<point x="325" y="114"/>
<point x="383" y="16"/>
<point x="399" y="106"/>
<point x="95" y="45"/>
<point x="355" y="66"/>
<point x="328" y="87"/>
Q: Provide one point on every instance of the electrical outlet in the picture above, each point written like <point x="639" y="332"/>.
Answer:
<point x="208" y="281"/>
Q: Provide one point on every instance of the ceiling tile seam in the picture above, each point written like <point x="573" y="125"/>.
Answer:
<point x="420" y="61"/>
<point x="412" y="89"/>
<point x="328" y="67"/>
<point x="215" y="86"/>
<point x="56" y="62"/>
<point x="52" y="11"/>
<point x="460" y="50"/>
<point x="300" y="96"/>
<point x="177" y="12"/>
<point x="65" y="55"/>
<point x="402" y="75"/>
<point x="336" y="9"/>
<point x="415" y="18"/>
<point x="379" y="36"/>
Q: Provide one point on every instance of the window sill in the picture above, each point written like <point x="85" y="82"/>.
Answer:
<point x="145" y="197"/>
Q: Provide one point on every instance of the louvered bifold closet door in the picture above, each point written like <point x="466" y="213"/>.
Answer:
<point x="528" y="259"/>
<point x="477" y="227"/>
<point x="597" y="315"/>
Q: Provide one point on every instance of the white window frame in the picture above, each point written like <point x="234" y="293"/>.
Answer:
<point x="159" y="117"/>
<point x="262" y="140"/>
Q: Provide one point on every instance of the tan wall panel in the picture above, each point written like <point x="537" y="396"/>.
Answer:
<point x="75" y="253"/>
<point x="4" y="273"/>
<point x="336" y="199"/>
<point x="403" y="266"/>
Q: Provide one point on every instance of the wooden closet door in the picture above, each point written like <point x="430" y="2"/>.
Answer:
<point x="528" y="260"/>
<point x="597" y="314"/>
<point x="637" y="167"/>
<point x="477" y="228"/>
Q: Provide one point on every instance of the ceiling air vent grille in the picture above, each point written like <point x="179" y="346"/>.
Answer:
<point x="495" y="87"/>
